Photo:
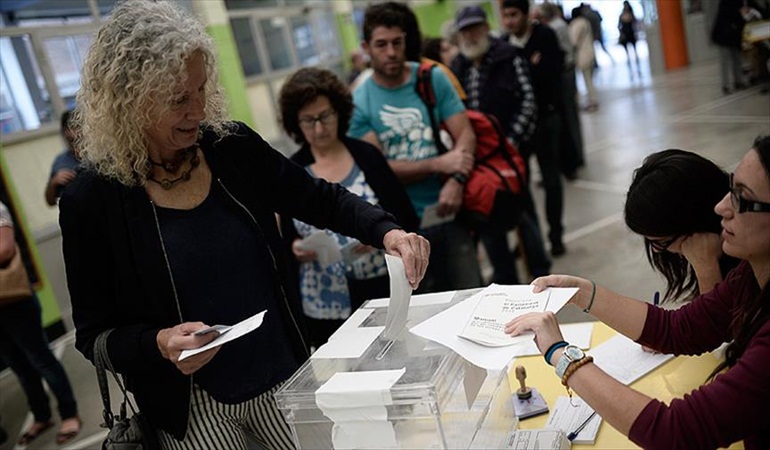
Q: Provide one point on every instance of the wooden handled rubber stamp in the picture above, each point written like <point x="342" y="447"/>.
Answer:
<point x="524" y="392"/>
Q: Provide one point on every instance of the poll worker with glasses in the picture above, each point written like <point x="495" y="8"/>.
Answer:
<point x="732" y="405"/>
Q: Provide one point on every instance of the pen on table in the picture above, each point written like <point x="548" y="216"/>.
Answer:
<point x="656" y="298"/>
<point x="577" y="431"/>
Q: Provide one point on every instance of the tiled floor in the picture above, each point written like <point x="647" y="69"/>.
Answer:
<point x="681" y="109"/>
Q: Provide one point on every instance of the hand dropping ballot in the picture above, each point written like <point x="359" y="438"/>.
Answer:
<point x="497" y="306"/>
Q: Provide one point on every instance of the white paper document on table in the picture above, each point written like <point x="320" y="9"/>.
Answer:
<point x="577" y="334"/>
<point x="540" y="439"/>
<point x="239" y="329"/>
<point x="624" y="359"/>
<point x="569" y="418"/>
<point x="497" y="306"/>
<point x="445" y="326"/>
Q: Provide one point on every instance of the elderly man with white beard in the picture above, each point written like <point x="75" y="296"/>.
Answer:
<point x="495" y="76"/>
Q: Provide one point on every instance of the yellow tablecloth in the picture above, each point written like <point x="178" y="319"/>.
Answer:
<point x="671" y="380"/>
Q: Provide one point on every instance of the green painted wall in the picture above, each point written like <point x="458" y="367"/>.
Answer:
<point x="348" y="34"/>
<point x="231" y="73"/>
<point x="432" y="16"/>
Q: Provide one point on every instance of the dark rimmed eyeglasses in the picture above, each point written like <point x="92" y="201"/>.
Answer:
<point x="741" y="205"/>
<point x="325" y="118"/>
<point x="662" y="245"/>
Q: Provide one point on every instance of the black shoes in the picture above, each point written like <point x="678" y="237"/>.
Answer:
<point x="557" y="248"/>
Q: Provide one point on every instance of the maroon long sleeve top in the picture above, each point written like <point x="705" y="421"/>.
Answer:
<point x="735" y="405"/>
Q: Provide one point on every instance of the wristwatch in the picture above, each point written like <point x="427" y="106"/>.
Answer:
<point x="571" y="354"/>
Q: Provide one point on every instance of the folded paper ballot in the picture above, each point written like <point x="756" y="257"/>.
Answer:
<point x="239" y="329"/>
<point x="497" y="306"/>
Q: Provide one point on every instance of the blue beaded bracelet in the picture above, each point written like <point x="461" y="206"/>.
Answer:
<point x="555" y="346"/>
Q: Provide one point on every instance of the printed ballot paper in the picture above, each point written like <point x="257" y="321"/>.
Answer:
<point x="445" y="326"/>
<point x="239" y="329"/>
<point x="496" y="307"/>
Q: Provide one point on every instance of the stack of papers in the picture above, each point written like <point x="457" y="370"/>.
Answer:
<point x="445" y="327"/>
<point x="569" y="415"/>
<point x="497" y="306"/>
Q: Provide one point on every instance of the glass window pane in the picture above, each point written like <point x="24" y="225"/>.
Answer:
<point x="24" y="100"/>
<point x="304" y="42"/>
<point x="277" y="47"/>
<point x="45" y="13"/>
<point x="66" y="55"/>
<point x="327" y="37"/>
<point x="247" y="47"/>
<point x="246" y="4"/>
<point x="105" y="6"/>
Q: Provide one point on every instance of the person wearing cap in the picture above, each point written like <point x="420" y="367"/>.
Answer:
<point x="546" y="59"/>
<point x="390" y="114"/>
<point x="496" y="79"/>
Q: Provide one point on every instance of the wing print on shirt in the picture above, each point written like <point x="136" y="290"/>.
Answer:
<point x="401" y="120"/>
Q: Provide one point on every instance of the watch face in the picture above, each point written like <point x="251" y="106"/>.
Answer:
<point x="573" y="352"/>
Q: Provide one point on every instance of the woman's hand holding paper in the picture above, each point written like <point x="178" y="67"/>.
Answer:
<point x="171" y="342"/>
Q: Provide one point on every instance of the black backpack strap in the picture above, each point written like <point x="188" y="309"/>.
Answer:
<point x="424" y="87"/>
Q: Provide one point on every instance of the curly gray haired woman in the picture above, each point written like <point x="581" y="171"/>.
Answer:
<point x="131" y="76"/>
<point x="172" y="228"/>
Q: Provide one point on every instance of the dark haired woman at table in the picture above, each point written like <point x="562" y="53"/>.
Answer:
<point x="671" y="203"/>
<point x="733" y="405"/>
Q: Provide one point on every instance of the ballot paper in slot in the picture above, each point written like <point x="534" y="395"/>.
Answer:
<point x="497" y="306"/>
<point x="400" y="293"/>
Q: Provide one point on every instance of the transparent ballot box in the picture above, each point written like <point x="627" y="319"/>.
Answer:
<point x="440" y="402"/>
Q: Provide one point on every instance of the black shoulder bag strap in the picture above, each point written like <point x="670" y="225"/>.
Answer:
<point x="102" y="363"/>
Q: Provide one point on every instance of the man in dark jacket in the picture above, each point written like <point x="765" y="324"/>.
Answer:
<point x="546" y="59"/>
<point x="496" y="80"/>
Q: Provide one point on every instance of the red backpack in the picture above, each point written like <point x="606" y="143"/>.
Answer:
<point x="496" y="193"/>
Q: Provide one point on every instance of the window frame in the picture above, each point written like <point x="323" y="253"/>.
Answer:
<point x="38" y="36"/>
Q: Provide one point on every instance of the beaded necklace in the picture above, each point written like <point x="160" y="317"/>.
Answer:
<point x="174" y="165"/>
